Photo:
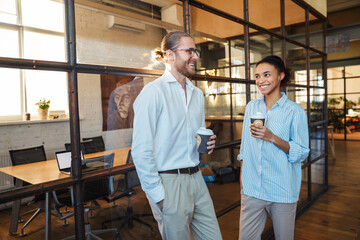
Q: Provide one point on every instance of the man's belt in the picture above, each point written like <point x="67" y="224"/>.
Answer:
<point x="188" y="170"/>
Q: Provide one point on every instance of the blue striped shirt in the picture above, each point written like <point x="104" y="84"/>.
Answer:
<point x="268" y="172"/>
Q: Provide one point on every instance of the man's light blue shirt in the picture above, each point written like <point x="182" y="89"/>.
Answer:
<point x="268" y="173"/>
<point x="165" y="126"/>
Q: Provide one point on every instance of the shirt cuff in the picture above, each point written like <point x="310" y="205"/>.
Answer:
<point x="240" y="157"/>
<point x="297" y="153"/>
<point x="157" y="194"/>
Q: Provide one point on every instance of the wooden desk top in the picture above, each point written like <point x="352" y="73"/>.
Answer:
<point x="224" y="118"/>
<point x="46" y="171"/>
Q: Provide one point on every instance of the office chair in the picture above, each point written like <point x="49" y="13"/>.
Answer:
<point x="86" y="147"/>
<point x="131" y="181"/>
<point x="25" y="156"/>
<point x="96" y="189"/>
<point x="89" y="145"/>
<point x="98" y="144"/>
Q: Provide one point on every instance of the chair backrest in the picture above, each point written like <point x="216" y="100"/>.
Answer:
<point x="67" y="146"/>
<point x="27" y="155"/>
<point x="98" y="144"/>
<point x="131" y="177"/>
<point x="86" y="147"/>
<point x="98" y="188"/>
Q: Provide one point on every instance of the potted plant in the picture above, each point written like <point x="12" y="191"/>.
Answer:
<point x="43" y="108"/>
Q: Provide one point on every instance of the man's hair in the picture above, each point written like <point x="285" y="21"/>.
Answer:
<point x="278" y="63"/>
<point x="169" y="42"/>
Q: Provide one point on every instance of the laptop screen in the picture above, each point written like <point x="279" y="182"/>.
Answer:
<point x="64" y="159"/>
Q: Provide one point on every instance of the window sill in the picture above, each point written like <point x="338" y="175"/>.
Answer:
<point x="24" y="122"/>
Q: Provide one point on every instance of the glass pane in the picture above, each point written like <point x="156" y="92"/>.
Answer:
<point x="8" y="11"/>
<point x="304" y="185"/>
<point x="214" y="58"/>
<point x="317" y="99"/>
<point x="335" y="72"/>
<point x="316" y="70"/>
<point x="255" y="92"/>
<point x="10" y="92"/>
<point x="49" y="85"/>
<point x="318" y="175"/>
<point x="262" y="45"/>
<point x="239" y="104"/>
<point x="52" y="11"/>
<point x="317" y="144"/>
<point x="353" y="86"/>
<point x="115" y="46"/>
<point x="352" y="71"/>
<point x="265" y="14"/>
<point x="316" y="33"/>
<point x="335" y="86"/>
<point x="237" y="59"/>
<point x="296" y="62"/>
<point x="9" y="42"/>
<point x="44" y="46"/>
<point x="336" y="114"/>
<point x="294" y="21"/>
<point x="298" y="95"/>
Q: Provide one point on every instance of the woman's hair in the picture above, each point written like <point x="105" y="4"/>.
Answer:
<point x="169" y="42"/>
<point x="278" y="63"/>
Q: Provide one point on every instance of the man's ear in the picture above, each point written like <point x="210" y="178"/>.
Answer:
<point x="170" y="55"/>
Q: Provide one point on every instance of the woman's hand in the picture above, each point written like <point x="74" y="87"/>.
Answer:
<point x="211" y="144"/>
<point x="261" y="132"/>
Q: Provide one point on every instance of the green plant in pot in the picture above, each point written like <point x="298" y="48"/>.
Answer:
<point x="43" y="110"/>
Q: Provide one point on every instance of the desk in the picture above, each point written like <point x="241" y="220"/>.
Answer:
<point x="47" y="171"/>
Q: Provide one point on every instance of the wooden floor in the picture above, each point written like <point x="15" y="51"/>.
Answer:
<point x="335" y="216"/>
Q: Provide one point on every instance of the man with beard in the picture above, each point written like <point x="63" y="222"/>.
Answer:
<point x="168" y="112"/>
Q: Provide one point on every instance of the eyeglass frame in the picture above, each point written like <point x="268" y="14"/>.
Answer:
<point x="191" y="51"/>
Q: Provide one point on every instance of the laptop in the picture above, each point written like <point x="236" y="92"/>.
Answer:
<point x="63" y="159"/>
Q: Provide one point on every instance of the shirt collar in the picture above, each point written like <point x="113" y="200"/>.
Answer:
<point x="280" y="102"/>
<point x="170" y="78"/>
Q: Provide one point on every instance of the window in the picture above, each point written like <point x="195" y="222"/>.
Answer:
<point x="30" y="34"/>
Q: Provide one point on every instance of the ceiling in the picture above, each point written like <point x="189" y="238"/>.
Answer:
<point x="339" y="5"/>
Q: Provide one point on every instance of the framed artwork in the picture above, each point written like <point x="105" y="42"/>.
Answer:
<point x="118" y="94"/>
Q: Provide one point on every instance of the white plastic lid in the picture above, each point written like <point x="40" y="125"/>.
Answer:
<point x="258" y="115"/>
<point x="205" y="131"/>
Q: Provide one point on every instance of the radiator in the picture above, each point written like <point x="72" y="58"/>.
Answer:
<point x="6" y="181"/>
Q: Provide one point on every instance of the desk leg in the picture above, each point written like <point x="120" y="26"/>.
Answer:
<point x="15" y="211"/>
<point x="47" y="216"/>
<point x="332" y="144"/>
<point x="14" y="217"/>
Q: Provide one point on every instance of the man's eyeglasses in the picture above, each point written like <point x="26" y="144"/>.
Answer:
<point x="191" y="51"/>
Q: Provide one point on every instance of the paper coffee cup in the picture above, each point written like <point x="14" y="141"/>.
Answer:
<point x="203" y="136"/>
<point x="257" y="118"/>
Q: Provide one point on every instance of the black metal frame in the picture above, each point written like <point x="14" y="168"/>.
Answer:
<point x="72" y="68"/>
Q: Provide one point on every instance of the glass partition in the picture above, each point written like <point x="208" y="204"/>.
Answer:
<point x="237" y="58"/>
<point x="103" y="44"/>
<point x="294" y="21"/>
<point x="296" y="62"/>
<point x="123" y="35"/>
<point x="317" y="175"/>
<point x="316" y="33"/>
<point x="262" y="45"/>
<point x="214" y="58"/>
